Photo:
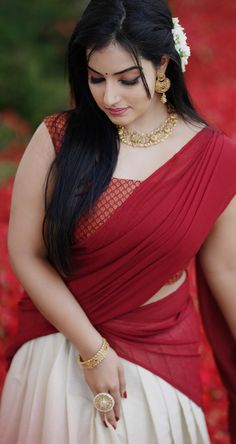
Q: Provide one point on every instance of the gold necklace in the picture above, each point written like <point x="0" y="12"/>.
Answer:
<point x="143" y="140"/>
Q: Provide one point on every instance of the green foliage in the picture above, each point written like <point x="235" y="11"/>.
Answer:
<point x="6" y="136"/>
<point x="33" y="44"/>
<point x="7" y="170"/>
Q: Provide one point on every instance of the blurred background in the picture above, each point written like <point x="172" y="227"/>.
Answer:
<point x="33" y="41"/>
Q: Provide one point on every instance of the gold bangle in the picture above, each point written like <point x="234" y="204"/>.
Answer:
<point x="97" y="358"/>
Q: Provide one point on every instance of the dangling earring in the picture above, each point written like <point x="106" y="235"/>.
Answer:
<point x="163" y="84"/>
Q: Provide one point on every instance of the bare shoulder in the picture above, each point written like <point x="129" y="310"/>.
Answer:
<point x="40" y="144"/>
<point x="27" y="206"/>
<point x="37" y="158"/>
<point x="33" y="169"/>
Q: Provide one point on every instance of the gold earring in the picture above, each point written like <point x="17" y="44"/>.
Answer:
<point x="163" y="84"/>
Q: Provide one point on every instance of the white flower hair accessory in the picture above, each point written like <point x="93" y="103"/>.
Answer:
<point x="180" y="40"/>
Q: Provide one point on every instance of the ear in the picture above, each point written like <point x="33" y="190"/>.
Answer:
<point x="164" y="63"/>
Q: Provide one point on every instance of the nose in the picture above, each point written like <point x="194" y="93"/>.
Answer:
<point x="111" y="96"/>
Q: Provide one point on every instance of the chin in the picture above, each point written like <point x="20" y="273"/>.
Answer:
<point x="121" y="120"/>
<point x="117" y="120"/>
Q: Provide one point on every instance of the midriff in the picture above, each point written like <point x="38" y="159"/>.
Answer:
<point x="168" y="288"/>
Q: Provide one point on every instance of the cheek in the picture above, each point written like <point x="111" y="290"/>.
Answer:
<point x="140" y="99"/>
<point x="151" y="81"/>
<point x="137" y="94"/>
<point x="140" y="93"/>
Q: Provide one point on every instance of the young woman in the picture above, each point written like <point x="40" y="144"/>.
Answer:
<point x="111" y="201"/>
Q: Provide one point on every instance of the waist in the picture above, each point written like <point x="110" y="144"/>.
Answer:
<point x="169" y="325"/>
<point x="140" y="324"/>
<point x="164" y="308"/>
<point x="169" y="288"/>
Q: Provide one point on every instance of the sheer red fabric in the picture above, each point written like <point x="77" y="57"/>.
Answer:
<point x="141" y="245"/>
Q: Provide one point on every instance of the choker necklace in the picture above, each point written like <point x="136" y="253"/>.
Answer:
<point x="143" y="140"/>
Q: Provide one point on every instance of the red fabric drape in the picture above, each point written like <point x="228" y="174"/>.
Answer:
<point x="222" y="342"/>
<point x="149" y="238"/>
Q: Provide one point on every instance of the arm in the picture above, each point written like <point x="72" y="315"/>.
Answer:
<point x="28" y="254"/>
<point x="218" y="262"/>
<point x="44" y="285"/>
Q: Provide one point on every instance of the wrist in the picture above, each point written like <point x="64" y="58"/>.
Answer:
<point x="97" y="358"/>
<point x="91" y="347"/>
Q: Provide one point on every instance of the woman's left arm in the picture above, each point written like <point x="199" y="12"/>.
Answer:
<point x="218" y="261"/>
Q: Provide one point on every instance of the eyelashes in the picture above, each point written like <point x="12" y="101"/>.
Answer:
<point x="96" y="80"/>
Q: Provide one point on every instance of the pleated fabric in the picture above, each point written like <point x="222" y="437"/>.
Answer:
<point x="47" y="401"/>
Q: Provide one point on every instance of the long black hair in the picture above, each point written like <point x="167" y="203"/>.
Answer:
<point x="85" y="163"/>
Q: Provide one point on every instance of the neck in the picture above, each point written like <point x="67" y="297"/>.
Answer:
<point x="154" y="117"/>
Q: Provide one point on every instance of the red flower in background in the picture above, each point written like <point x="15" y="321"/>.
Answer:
<point x="10" y="289"/>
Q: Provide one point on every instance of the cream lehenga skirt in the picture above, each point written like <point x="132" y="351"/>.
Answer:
<point x="46" y="401"/>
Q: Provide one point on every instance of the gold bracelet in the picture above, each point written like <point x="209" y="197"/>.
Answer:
<point x="97" y="358"/>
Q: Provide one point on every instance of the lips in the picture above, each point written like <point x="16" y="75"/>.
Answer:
<point x="116" y="111"/>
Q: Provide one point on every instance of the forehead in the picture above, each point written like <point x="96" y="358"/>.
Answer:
<point x="111" y="59"/>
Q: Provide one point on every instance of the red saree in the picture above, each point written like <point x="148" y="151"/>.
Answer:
<point x="155" y="233"/>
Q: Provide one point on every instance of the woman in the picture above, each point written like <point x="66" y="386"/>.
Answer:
<point x="111" y="202"/>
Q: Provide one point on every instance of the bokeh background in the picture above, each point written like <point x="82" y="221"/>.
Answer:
<point x="33" y="40"/>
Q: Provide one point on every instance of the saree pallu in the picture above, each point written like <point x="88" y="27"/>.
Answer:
<point x="155" y="233"/>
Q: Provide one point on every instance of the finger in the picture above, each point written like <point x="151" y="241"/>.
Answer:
<point x="104" y="421"/>
<point x="95" y="391"/>
<point x="109" y="419"/>
<point x="116" y="409"/>
<point x="121" y="375"/>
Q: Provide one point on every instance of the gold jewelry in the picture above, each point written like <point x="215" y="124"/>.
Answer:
<point x="163" y="84"/>
<point x="103" y="402"/>
<point x="143" y="140"/>
<point x="97" y="358"/>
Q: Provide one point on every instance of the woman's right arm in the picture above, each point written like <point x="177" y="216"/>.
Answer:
<point x="28" y="255"/>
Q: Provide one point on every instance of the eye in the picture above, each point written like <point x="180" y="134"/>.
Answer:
<point x="96" y="80"/>
<point x="130" y="82"/>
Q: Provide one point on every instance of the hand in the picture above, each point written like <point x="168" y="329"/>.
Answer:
<point x="108" y="377"/>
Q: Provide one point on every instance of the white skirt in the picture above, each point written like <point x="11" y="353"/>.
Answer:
<point x="47" y="401"/>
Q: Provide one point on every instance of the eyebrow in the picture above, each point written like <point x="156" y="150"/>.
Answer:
<point x="120" y="72"/>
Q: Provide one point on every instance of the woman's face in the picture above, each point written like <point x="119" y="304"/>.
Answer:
<point x="116" y="85"/>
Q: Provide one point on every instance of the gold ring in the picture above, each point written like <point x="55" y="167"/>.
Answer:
<point x="103" y="402"/>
